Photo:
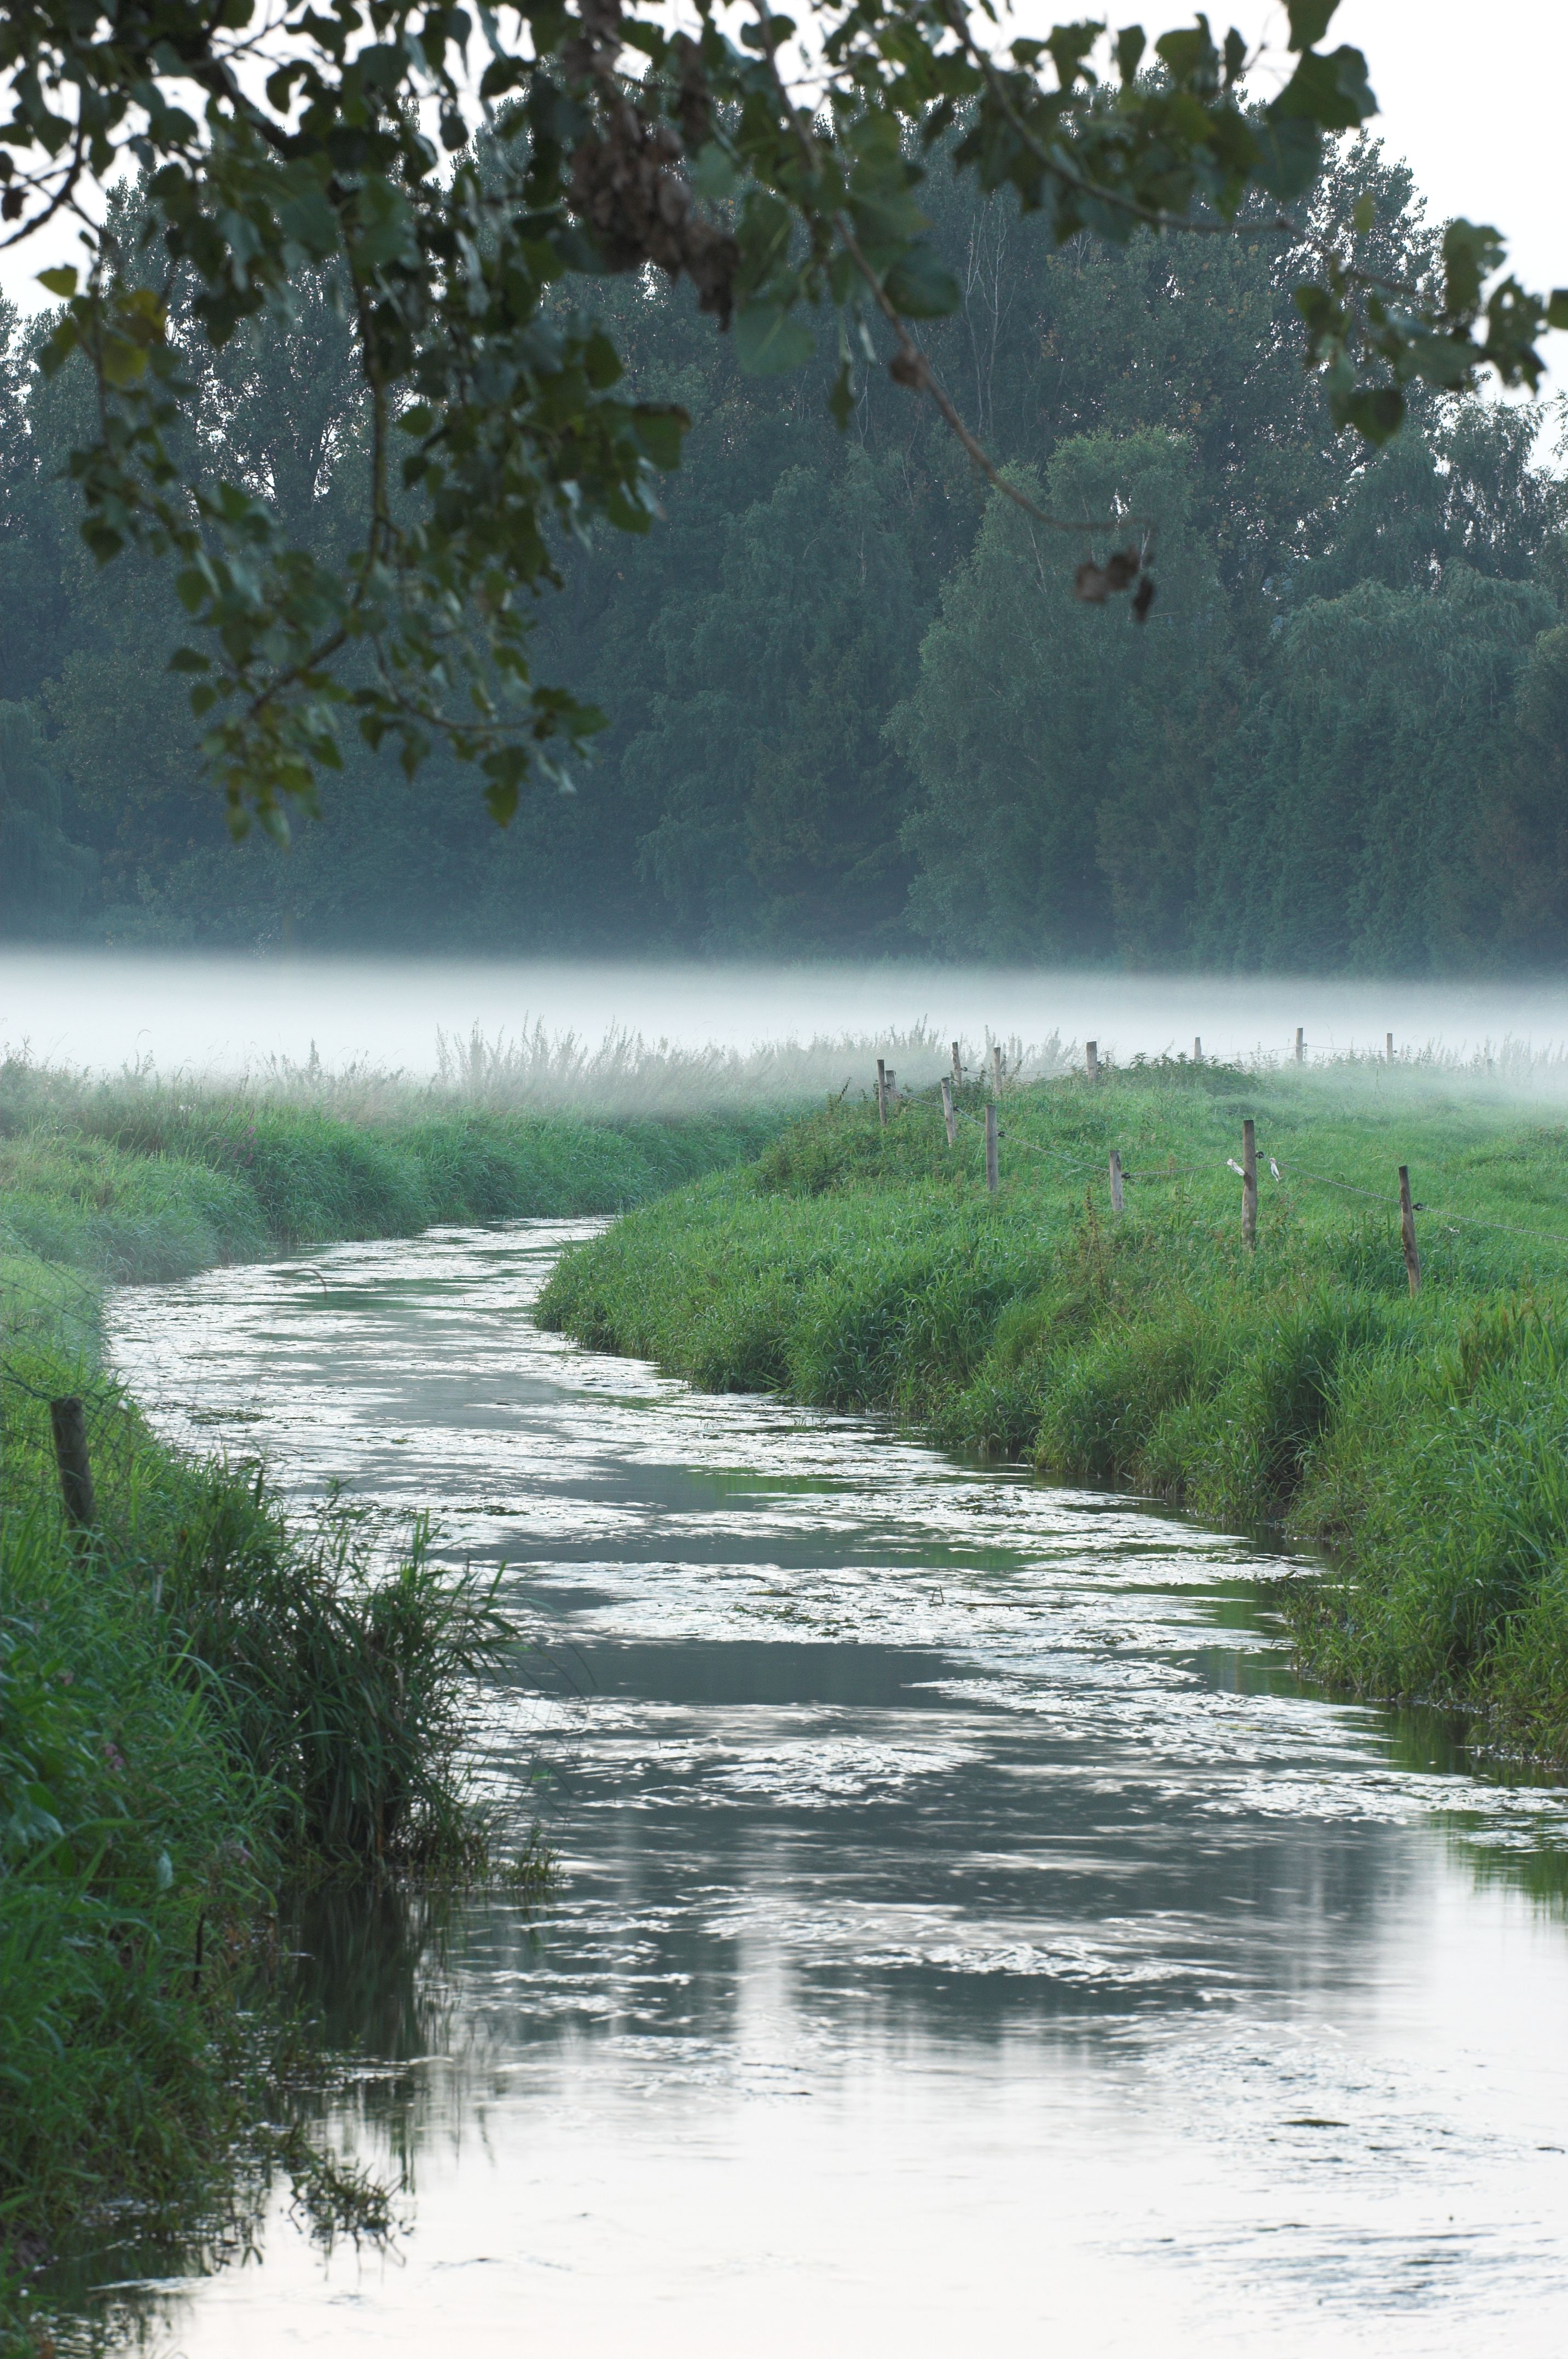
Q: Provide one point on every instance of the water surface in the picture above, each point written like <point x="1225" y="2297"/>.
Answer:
<point x="969" y="1939"/>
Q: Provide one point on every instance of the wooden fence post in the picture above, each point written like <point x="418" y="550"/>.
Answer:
<point x="893" y="1090"/>
<point x="1301" y="1045"/>
<point x="1197" y="1048"/>
<point x="996" y="1068"/>
<point x="1116" y="1199"/>
<point x="957" y="1067"/>
<point x="1407" y="1231"/>
<point x="881" y="1090"/>
<point x="948" y="1116"/>
<point x="70" y="1456"/>
<point x="1091" y="1059"/>
<point x="1390" y="1041"/>
<point x="1249" y="1185"/>
<point x="993" y="1167"/>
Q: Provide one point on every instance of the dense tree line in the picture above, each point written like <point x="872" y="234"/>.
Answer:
<point x="852" y="705"/>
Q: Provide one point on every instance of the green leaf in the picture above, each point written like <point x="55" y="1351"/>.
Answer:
<point x="61" y="282"/>
<point x="1471" y="252"/>
<point x="921" y="286"/>
<point x="310" y="222"/>
<point x="713" y="174"/>
<point x="601" y="362"/>
<point x="1290" y="157"/>
<point x="1310" y="20"/>
<point x="1331" y="91"/>
<point x="842" y="398"/>
<point x="1187" y="55"/>
<point x="1378" y="412"/>
<point x="769" y="339"/>
<point x="662" y="429"/>
<point x="123" y="363"/>
<point x="1129" y="48"/>
<point x="501" y="800"/>
<point x="1557" y="308"/>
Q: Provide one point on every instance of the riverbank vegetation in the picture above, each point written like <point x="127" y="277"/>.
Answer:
<point x="198" y="1694"/>
<point x="1299" y="1387"/>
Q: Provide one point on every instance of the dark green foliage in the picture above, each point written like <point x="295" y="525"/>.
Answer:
<point x="1300" y="1387"/>
<point x="1346" y="829"/>
<point x="44" y="878"/>
<point x="1060" y="777"/>
<point x="852" y="704"/>
<point x="604" y="146"/>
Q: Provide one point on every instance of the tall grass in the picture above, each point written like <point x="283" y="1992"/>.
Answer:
<point x="1299" y="1387"/>
<point x="618" y="1078"/>
<point x="196" y="1696"/>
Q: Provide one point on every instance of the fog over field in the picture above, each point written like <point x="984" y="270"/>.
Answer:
<point x="221" y="1017"/>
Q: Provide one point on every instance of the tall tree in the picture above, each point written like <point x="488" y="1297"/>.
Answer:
<point x="1351" y="827"/>
<point x="1061" y="769"/>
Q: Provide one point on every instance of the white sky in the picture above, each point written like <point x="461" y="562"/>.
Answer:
<point x="1471" y="97"/>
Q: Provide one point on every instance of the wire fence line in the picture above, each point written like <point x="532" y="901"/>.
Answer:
<point x="1280" y="1169"/>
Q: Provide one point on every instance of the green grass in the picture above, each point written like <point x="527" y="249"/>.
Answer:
<point x="202" y="1695"/>
<point x="1299" y="1387"/>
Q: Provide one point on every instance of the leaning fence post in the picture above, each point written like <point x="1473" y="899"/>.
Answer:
<point x="1407" y="1231"/>
<point x="1091" y="1059"/>
<point x="1249" y="1184"/>
<point x="1115" y="1181"/>
<point x="1301" y="1044"/>
<point x="994" y="1169"/>
<point x="881" y="1090"/>
<point x="948" y="1116"/>
<point x="70" y="1456"/>
<point x="957" y="1067"/>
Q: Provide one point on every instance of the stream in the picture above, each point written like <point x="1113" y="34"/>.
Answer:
<point x="969" y="1937"/>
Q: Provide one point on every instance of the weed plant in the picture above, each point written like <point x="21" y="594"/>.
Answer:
<point x="1298" y="1387"/>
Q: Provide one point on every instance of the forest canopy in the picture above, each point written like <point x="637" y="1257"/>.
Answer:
<point x="952" y="503"/>
<point x="456" y="184"/>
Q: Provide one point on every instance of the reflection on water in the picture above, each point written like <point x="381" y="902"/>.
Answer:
<point x="969" y="1935"/>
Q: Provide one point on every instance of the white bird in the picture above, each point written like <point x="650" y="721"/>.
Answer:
<point x="1273" y="1166"/>
<point x="1235" y="1167"/>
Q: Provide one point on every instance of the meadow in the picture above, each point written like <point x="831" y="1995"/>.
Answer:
<point x="1296" y="1388"/>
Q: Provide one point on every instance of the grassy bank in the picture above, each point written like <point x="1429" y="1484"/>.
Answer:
<point x="1298" y="1385"/>
<point x="199" y="1693"/>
